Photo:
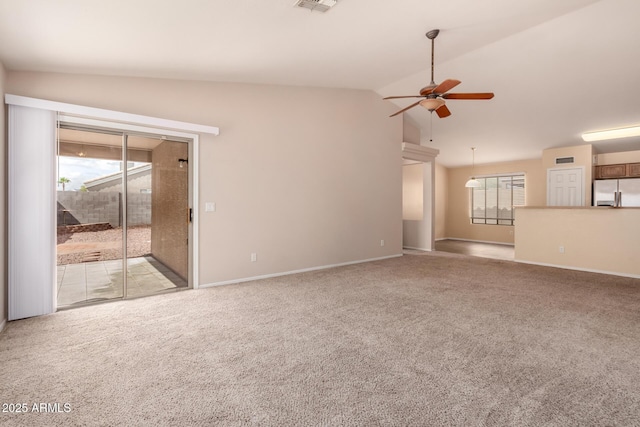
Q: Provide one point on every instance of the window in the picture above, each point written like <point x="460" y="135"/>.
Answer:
<point x="494" y="200"/>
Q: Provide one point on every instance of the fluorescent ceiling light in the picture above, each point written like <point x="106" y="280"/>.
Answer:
<point x="611" y="134"/>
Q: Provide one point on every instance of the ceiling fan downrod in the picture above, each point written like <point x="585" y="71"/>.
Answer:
<point x="431" y="35"/>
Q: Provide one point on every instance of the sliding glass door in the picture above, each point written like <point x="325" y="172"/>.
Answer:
<point x="157" y="200"/>
<point x="89" y="216"/>
<point x="122" y="224"/>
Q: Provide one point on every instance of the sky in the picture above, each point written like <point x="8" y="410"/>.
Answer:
<point x="81" y="169"/>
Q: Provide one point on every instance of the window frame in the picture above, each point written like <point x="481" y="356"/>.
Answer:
<point x="482" y="220"/>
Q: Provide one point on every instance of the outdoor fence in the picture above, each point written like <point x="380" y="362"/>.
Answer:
<point x="90" y="207"/>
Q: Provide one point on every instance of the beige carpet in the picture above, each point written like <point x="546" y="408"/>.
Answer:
<point x="421" y="340"/>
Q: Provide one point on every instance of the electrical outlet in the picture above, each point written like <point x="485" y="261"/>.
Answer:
<point x="381" y="242"/>
<point x="561" y="249"/>
<point x="210" y="207"/>
<point x="254" y="257"/>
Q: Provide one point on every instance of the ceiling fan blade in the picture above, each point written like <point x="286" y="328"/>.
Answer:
<point x="443" y="112"/>
<point x="405" y="109"/>
<point x="408" y="96"/>
<point x="486" y="95"/>
<point x="446" y="85"/>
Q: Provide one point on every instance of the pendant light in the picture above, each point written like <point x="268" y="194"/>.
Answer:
<point x="473" y="182"/>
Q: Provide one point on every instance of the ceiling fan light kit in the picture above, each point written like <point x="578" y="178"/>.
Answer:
<point x="435" y="94"/>
<point x="603" y="135"/>
<point x="432" y="104"/>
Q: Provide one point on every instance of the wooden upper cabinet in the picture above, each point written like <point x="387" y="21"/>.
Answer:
<point x="611" y="171"/>
<point x="634" y="169"/>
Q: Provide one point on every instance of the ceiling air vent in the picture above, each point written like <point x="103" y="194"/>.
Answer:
<point x="564" y="160"/>
<point x="319" y="5"/>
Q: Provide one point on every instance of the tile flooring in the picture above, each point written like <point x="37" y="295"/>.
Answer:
<point x="99" y="280"/>
<point x="486" y="250"/>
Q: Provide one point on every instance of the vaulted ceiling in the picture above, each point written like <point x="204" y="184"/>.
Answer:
<point x="557" y="68"/>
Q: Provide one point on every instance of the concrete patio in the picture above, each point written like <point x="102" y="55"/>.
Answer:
<point x="91" y="281"/>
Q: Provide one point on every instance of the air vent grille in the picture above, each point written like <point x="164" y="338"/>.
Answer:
<point x="564" y="160"/>
<point x="318" y="5"/>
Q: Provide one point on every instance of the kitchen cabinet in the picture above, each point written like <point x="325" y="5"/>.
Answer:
<point x="634" y="169"/>
<point x="611" y="171"/>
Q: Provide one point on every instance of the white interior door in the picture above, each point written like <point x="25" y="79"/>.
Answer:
<point x="565" y="187"/>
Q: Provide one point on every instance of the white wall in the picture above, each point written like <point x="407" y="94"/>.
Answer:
<point x="304" y="177"/>
<point x="3" y="203"/>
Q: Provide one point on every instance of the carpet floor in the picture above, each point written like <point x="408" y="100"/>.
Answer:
<point x="419" y="340"/>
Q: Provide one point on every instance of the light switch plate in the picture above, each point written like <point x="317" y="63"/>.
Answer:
<point x="209" y="207"/>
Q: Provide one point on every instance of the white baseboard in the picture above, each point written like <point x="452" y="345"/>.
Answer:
<point x="588" y="270"/>
<point x="2" y="325"/>
<point x="287" y="273"/>
<point x="417" y="249"/>
<point x="476" y="241"/>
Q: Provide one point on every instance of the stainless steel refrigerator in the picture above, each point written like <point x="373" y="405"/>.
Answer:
<point x="626" y="192"/>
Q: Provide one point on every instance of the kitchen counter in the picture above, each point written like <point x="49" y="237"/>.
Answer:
<point x="601" y="239"/>
<point x="576" y="207"/>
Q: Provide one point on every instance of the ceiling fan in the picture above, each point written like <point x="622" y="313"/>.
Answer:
<point x="434" y="95"/>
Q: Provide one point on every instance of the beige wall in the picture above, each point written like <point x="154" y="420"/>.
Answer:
<point x="617" y="158"/>
<point x="304" y="177"/>
<point x="458" y="225"/>
<point x="412" y="192"/>
<point x="416" y="201"/>
<point x="442" y="201"/>
<point x="410" y="131"/>
<point x="3" y="202"/>
<point x="594" y="239"/>
<point x="418" y="233"/>
<point x="583" y="155"/>
<point x="169" y="205"/>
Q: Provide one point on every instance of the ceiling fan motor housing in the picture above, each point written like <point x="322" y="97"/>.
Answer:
<point x="432" y="34"/>
<point x="428" y="90"/>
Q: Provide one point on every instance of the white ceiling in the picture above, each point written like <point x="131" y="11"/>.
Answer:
<point x="558" y="68"/>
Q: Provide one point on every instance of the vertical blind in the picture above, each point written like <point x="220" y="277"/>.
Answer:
<point x="31" y="212"/>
